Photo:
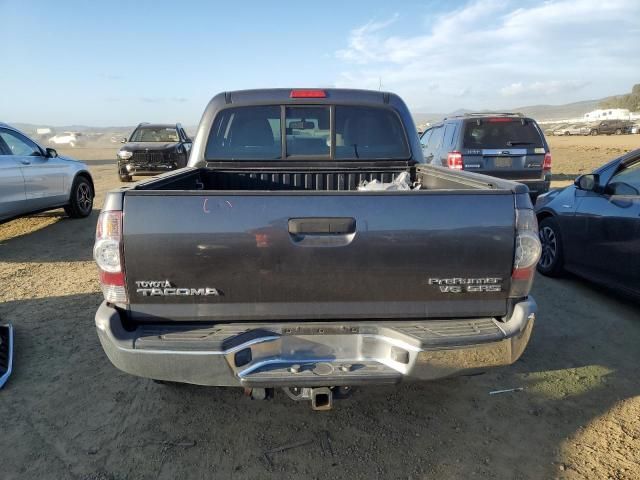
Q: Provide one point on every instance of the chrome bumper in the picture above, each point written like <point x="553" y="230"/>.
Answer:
<point x="315" y="353"/>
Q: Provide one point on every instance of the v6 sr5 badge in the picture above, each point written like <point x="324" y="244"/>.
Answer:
<point x="467" y="285"/>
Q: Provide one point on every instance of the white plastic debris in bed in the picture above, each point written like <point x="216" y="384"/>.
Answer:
<point x="401" y="182"/>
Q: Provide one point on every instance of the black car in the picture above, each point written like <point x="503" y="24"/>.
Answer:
<point x="153" y="148"/>
<point x="611" y="127"/>
<point x="503" y="145"/>
<point x="592" y="228"/>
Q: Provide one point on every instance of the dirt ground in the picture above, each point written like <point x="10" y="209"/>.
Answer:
<point x="68" y="413"/>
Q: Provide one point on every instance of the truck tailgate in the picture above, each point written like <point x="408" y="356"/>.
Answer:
<point x="217" y="256"/>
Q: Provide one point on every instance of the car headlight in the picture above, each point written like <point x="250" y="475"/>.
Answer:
<point x="125" y="154"/>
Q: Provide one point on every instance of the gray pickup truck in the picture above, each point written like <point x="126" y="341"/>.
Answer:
<point x="267" y="262"/>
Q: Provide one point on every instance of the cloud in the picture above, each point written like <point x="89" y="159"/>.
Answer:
<point x="499" y="50"/>
<point x="360" y="50"/>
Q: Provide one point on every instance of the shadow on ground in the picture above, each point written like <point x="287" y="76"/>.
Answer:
<point x="71" y="414"/>
<point x="62" y="239"/>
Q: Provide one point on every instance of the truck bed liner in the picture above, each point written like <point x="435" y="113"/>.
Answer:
<point x="318" y="178"/>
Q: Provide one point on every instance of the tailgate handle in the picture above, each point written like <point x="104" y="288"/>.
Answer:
<point x="322" y="226"/>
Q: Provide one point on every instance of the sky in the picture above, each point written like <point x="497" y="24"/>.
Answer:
<point x="115" y="63"/>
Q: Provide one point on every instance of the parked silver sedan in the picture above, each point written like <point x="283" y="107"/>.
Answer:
<point x="572" y="130"/>
<point x="34" y="178"/>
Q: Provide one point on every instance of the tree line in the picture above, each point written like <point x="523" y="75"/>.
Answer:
<point x="630" y="101"/>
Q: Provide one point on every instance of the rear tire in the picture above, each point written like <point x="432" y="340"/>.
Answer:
<point x="618" y="131"/>
<point x="166" y="383"/>
<point x="81" y="198"/>
<point x="552" y="259"/>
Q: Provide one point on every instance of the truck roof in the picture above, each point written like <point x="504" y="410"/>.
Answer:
<point x="331" y="95"/>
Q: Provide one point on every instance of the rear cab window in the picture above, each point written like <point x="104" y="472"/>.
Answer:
<point x="501" y="132"/>
<point x="328" y="132"/>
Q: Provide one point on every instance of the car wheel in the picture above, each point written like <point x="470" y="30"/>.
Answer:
<point x="81" y="200"/>
<point x="594" y="132"/>
<point x="618" y="132"/>
<point x="568" y="134"/>
<point x="551" y="260"/>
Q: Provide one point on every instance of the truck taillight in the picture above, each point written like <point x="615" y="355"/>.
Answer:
<point x="546" y="165"/>
<point x="527" y="253"/>
<point x="454" y="160"/>
<point x="107" y="252"/>
<point x="308" y="93"/>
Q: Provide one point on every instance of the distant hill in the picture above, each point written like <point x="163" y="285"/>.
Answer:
<point x="540" y="112"/>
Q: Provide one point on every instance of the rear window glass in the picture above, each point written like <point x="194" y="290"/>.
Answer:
<point x="308" y="130"/>
<point x="254" y="133"/>
<point x="369" y="133"/>
<point x="501" y="133"/>
<point x="245" y="133"/>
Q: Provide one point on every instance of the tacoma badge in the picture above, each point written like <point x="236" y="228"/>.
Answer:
<point x="163" y="288"/>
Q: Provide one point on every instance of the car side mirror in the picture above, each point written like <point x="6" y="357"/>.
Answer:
<point x="51" y="153"/>
<point x="123" y="140"/>
<point x="588" y="183"/>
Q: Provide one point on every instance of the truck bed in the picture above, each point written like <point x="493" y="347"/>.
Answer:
<point x="279" y="243"/>
<point x="320" y="177"/>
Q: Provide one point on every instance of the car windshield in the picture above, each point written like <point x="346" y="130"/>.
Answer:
<point x="501" y="133"/>
<point x="154" y="134"/>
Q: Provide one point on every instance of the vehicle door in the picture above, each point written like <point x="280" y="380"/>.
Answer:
<point x="433" y="146"/>
<point x="424" y="141"/>
<point x="608" y="225"/>
<point x="43" y="176"/>
<point x="12" y="192"/>
<point x="446" y="144"/>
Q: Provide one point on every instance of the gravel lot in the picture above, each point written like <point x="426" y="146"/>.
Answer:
<point x="68" y="413"/>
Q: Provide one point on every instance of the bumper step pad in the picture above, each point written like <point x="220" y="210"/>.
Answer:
<point x="6" y="352"/>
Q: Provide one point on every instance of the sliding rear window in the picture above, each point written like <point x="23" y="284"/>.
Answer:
<point x="501" y="132"/>
<point x="355" y="133"/>
<point x="369" y="133"/>
<point x="245" y="133"/>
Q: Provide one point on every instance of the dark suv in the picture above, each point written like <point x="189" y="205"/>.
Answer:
<point x="153" y="148"/>
<point x="503" y="145"/>
<point x="609" y="127"/>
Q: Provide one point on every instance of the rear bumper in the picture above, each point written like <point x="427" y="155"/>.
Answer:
<point x="315" y="353"/>
<point x="145" y="168"/>
<point x="6" y="352"/>
<point x="537" y="187"/>
<point x="136" y="170"/>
